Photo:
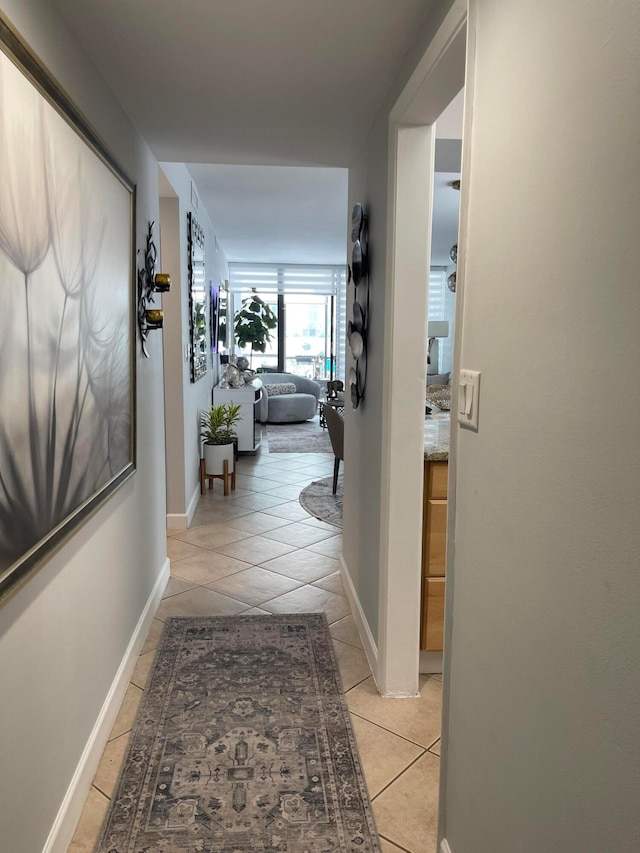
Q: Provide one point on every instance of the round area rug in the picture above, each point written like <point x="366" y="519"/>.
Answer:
<point x="318" y="500"/>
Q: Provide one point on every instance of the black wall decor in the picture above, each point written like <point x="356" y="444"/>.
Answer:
<point x="357" y="325"/>
<point x="149" y="283"/>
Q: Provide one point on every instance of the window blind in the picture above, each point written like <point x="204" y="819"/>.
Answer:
<point x="437" y="285"/>
<point x="287" y="278"/>
<point x="311" y="279"/>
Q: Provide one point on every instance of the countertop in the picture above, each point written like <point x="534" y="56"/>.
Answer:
<point x="436" y="436"/>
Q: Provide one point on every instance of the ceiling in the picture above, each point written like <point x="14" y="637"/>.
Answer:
<point x="275" y="214"/>
<point x="273" y="82"/>
<point x="240" y="89"/>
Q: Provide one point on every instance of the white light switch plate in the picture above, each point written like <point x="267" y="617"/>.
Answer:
<point x="469" y="398"/>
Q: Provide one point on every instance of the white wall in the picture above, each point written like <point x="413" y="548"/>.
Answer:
<point x="543" y="665"/>
<point x="182" y="395"/>
<point x="64" y="634"/>
<point x="365" y="482"/>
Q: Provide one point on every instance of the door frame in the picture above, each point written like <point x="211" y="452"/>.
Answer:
<point x="438" y="77"/>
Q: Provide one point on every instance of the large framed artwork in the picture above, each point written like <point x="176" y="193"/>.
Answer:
<point x="67" y="369"/>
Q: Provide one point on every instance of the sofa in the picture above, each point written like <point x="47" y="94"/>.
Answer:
<point x="287" y="398"/>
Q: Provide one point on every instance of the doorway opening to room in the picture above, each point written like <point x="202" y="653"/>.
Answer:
<point x="413" y="151"/>
<point x="441" y="324"/>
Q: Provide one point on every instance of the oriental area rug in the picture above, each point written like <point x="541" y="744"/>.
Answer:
<point x="242" y="743"/>
<point x="318" y="500"/>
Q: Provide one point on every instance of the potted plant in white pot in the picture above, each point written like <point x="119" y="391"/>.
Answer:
<point x="216" y="431"/>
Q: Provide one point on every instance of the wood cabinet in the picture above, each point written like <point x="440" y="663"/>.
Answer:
<point x="434" y="551"/>
<point x="248" y="397"/>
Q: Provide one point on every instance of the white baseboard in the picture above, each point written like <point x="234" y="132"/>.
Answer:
<point x="177" y="521"/>
<point x="368" y="643"/>
<point x="182" y="520"/>
<point x="444" y="846"/>
<point x="69" y="812"/>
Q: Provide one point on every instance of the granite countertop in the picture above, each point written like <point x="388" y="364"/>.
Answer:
<point x="436" y="436"/>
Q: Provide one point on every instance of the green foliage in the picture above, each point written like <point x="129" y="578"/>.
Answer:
<point x="216" y="424"/>
<point x="254" y="322"/>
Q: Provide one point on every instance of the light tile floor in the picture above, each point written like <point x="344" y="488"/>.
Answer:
<point x="258" y="551"/>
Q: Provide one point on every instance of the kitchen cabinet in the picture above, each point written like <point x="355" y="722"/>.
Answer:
<point x="434" y="552"/>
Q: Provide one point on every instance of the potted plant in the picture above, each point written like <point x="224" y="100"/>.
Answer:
<point x="253" y="323"/>
<point x="217" y="433"/>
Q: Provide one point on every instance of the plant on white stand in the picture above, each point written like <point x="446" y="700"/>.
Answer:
<point x="216" y="431"/>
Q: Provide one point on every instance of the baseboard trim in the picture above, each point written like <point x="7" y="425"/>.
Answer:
<point x="368" y="643"/>
<point x="182" y="520"/>
<point x="177" y="521"/>
<point x="193" y="504"/>
<point x="69" y="812"/>
<point x="444" y="846"/>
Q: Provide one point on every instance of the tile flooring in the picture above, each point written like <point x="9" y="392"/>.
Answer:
<point x="258" y="551"/>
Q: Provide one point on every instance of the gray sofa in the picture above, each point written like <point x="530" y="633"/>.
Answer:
<point x="288" y="408"/>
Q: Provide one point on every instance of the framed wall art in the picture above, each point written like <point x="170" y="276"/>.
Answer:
<point x="67" y="368"/>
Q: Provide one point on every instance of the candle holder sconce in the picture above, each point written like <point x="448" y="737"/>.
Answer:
<point x="150" y="283"/>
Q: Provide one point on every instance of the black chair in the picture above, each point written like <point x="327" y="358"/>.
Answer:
<point x="335" y="423"/>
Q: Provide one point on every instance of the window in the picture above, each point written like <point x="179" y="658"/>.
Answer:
<point x="310" y="302"/>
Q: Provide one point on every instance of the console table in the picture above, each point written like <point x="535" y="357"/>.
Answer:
<point x="248" y="398"/>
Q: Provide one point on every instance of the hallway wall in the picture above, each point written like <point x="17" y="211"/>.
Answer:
<point x="544" y="658"/>
<point x="64" y="634"/>
<point x="364" y="475"/>
<point x="182" y="395"/>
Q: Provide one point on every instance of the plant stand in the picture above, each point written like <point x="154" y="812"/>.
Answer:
<point x="226" y="477"/>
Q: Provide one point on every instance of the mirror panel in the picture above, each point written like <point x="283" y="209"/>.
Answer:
<point x="223" y="313"/>
<point x="197" y="299"/>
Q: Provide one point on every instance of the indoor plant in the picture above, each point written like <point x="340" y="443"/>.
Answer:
<point x="216" y="431"/>
<point x="253" y="323"/>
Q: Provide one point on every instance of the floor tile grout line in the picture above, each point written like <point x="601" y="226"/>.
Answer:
<point x="402" y="772"/>
<point x="391" y="731"/>
<point x="251" y="606"/>
<point x="104" y="793"/>
<point x="391" y="841"/>
<point x="362" y="680"/>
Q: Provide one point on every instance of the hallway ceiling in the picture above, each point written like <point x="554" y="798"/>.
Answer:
<point x="274" y="82"/>
<point x="275" y="214"/>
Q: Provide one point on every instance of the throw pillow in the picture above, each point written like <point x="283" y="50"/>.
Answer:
<point x="440" y="396"/>
<point x="278" y="388"/>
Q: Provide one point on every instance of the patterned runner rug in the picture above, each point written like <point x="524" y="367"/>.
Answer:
<point x="242" y="743"/>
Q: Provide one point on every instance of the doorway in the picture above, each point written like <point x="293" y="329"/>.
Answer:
<point x="439" y="77"/>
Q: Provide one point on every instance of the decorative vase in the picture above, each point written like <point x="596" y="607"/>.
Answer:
<point x="214" y="456"/>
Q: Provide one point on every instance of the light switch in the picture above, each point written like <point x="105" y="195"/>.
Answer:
<point x="462" y="400"/>
<point x="469" y="398"/>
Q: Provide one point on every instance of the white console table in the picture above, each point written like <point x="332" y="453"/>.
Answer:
<point x="248" y="397"/>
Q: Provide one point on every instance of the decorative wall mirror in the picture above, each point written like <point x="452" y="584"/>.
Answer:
<point x="197" y="299"/>
<point x="223" y="314"/>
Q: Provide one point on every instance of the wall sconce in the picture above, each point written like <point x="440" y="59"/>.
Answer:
<point x="149" y="282"/>
<point x="435" y="329"/>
